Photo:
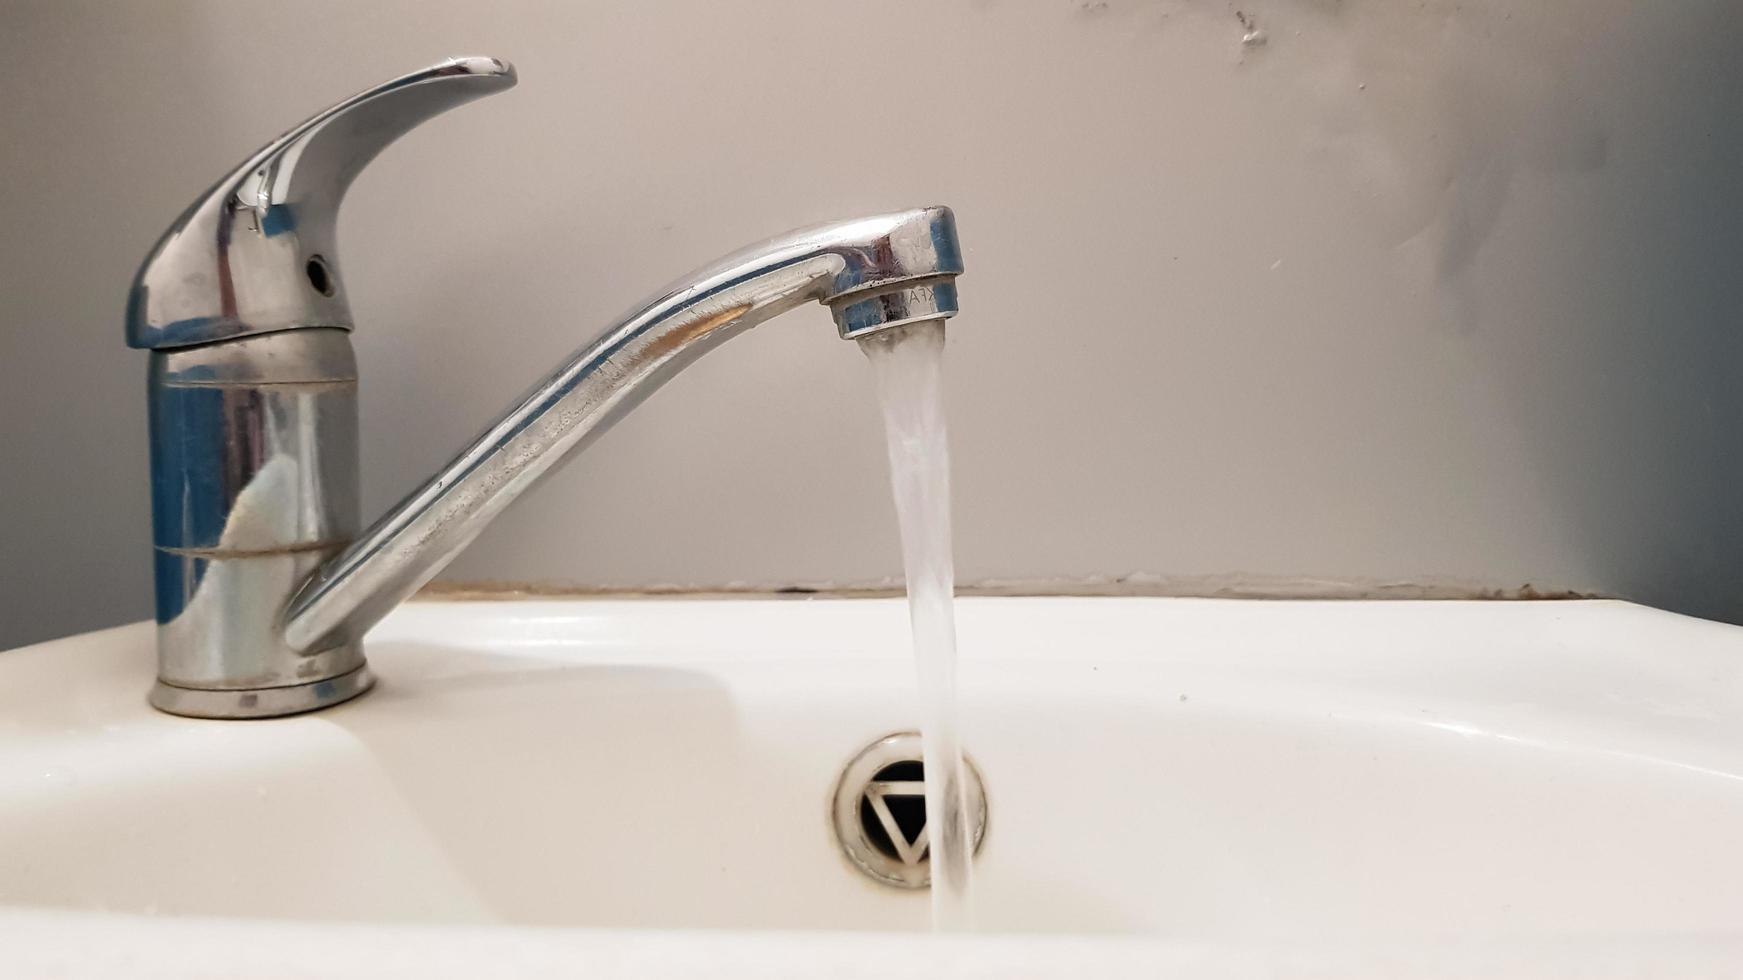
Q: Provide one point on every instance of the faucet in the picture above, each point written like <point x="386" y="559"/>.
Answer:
<point x="265" y="585"/>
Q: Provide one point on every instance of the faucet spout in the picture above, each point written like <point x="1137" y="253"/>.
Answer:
<point x="874" y="273"/>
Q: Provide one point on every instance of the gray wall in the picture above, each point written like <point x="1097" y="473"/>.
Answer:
<point x="1430" y="292"/>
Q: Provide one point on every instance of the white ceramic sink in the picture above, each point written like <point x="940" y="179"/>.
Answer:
<point x="1235" y="788"/>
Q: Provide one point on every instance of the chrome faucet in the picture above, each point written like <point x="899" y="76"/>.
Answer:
<point x="265" y="585"/>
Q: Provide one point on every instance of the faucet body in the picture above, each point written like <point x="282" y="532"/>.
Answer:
<point x="266" y="580"/>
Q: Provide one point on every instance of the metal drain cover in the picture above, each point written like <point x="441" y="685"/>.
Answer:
<point x="880" y="811"/>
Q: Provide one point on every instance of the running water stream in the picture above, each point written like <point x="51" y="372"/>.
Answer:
<point x="908" y="365"/>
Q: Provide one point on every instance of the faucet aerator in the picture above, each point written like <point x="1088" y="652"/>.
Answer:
<point x="861" y="315"/>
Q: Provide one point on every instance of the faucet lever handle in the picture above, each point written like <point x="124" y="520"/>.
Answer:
<point x="256" y="253"/>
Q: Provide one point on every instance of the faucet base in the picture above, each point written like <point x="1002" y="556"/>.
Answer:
<point x="264" y="702"/>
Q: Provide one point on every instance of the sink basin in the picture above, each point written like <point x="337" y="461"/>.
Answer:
<point x="1222" y="787"/>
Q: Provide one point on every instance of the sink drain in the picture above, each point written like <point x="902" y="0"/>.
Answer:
<point x="880" y="811"/>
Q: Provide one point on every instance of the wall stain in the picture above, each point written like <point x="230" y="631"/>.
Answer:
<point x="1136" y="585"/>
